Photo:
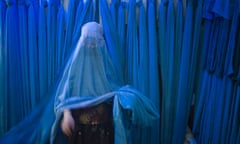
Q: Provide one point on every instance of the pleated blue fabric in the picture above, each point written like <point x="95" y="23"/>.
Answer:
<point x="143" y="72"/>
<point x="23" y="46"/>
<point x="113" y="9"/>
<point x="154" y="81"/>
<point x="121" y="26"/>
<point x="184" y="91"/>
<point x="132" y="45"/>
<point x="3" y="64"/>
<point x="111" y="38"/>
<point x="70" y="17"/>
<point x="163" y="63"/>
<point x="42" y="50"/>
<point x="32" y="55"/>
<point x="13" y="97"/>
<point x="51" y="38"/>
<point x="172" y="54"/>
<point x="85" y="14"/>
<point x="61" y="22"/>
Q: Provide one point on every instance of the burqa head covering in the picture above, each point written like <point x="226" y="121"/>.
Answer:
<point x="89" y="70"/>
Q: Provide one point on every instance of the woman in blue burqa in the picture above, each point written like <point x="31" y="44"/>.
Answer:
<point x="89" y="104"/>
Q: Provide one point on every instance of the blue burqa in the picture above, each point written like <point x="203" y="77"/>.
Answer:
<point x="88" y="79"/>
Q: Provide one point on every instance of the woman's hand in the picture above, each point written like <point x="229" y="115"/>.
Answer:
<point x="67" y="124"/>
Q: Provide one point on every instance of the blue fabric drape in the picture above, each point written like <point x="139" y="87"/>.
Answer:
<point x="42" y="50"/>
<point x="33" y="58"/>
<point x="3" y="65"/>
<point x="111" y="38"/>
<point x="60" y="37"/>
<point x="85" y="15"/>
<point x="172" y="55"/>
<point x="113" y="9"/>
<point x="13" y="97"/>
<point x="184" y="93"/>
<point x="51" y="41"/>
<point x="154" y="87"/>
<point x="70" y="16"/>
<point x="122" y="34"/>
<point x="23" y="46"/>
<point x="184" y="54"/>
<point x="132" y="45"/>
<point x="143" y="52"/>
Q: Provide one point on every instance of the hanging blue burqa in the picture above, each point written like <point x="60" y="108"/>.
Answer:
<point x="51" y="38"/>
<point x="13" y="97"/>
<point x="70" y="16"/>
<point x="84" y="15"/>
<point x="60" y="37"/>
<point x="32" y="55"/>
<point x="143" y="71"/>
<point x="154" y="87"/>
<point x="184" y="92"/>
<point x="42" y="50"/>
<point x="112" y="38"/>
<point x="2" y="67"/>
<point x="88" y="79"/>
<point x="23" y="45"/>
<point x="121" y="27"/>
<point x="132" y="45"/>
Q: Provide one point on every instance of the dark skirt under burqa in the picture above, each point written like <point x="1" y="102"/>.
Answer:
<point x="104" y="110"/>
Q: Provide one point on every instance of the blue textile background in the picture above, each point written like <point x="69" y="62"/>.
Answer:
<point x="183" y="55"/>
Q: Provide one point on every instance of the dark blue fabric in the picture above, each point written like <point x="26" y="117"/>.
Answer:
<point x="60" y="37"/>
<point x="42" y="51"/>
<point x="23" y="46"/>
<point x="13" y="97"/>
<point x="230" y="68"/>
<point x="51" y="41"/>
<point x="143" y="72"/>
<point x="122" y="34"/>
<point x="233" y="130"/>
<point x="172" y="72"/>
<point x="222" y="46"/>
<point x="184" y="91"/>
<point x="3" y="73"/>
<point x="33" y="61"/>
<point x="154" y="81"/>
<point x="163" y="64"/>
